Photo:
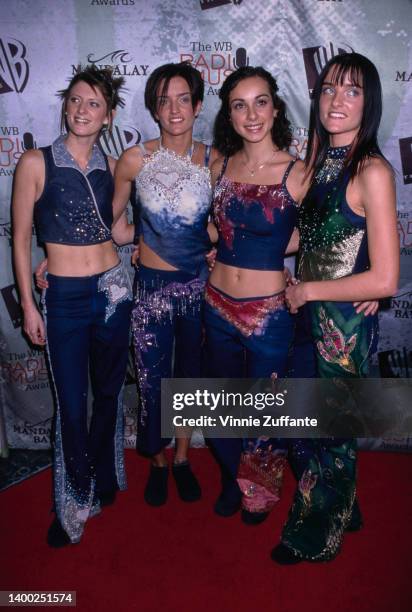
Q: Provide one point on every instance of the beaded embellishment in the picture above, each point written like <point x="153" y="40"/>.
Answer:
<point x="333" y="164"/>
<point x="117" y="287"/>
<point x="173" y="184"/>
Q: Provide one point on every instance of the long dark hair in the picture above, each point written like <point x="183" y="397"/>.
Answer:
<point x="362" y="73"/>
<point x="161" y="76"/>
<point x="101" y="79"/>
<point x="225" y="138"/>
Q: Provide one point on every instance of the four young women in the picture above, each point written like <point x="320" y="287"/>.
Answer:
<point x="346" y="218"/>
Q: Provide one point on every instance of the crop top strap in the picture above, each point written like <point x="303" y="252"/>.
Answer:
<point x="288" y="169"/>
<point x="208" y="149"/>
<point x="222" y="170"/>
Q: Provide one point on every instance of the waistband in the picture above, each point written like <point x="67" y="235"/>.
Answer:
<point x="248" y="315"/>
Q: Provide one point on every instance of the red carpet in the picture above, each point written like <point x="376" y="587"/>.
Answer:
<point x="183" y="557"/>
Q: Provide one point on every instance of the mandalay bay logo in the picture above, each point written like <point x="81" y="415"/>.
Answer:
<point x="120" y="61"/>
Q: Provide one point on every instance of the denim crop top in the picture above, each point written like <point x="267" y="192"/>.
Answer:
<point x="173" y="196"/>
<point x="255" y="222"/>
<point x="75" y="207"/>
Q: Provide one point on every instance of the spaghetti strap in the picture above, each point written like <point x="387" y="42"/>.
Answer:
<point x="288" y="169"/>
<point x="222" y="171"/>
<point x="208" y="149"/>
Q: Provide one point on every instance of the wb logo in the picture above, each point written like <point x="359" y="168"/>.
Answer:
<point x="316" y="58"/>
<point x="405" y="146"/>
<point x="119" y="139"/>
<point x="14" y="68"/>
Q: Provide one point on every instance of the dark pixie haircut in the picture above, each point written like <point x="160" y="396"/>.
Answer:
<point x="102" y="80"/>
<point x="225" y="138"/>
<point x="362" y="73"/>
<point x="160" y="78"/>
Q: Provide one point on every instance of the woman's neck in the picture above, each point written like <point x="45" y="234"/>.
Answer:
<point x="80" y="148"/>
<point x="258" y="151"/>
<point x="180" y="144"/>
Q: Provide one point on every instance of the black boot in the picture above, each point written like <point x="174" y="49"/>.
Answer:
<point x="284" y="556"/>
<point x="56" y="535"/>
<point x="230" y="498"/>
<point x="155" y="493"/>
<point x="188" y="487"/>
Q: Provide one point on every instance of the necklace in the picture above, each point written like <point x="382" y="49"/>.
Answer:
<point x="259" y="166"/>
<point x="188" y="154"/>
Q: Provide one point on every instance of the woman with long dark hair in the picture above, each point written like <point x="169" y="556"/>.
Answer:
<point x="68" y="189"/>
<point x="173" y="190"/>
<point x="248" y="327"/>
<point x="349" y="251"/>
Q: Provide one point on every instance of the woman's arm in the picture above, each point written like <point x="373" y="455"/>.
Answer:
<point x="376" y="189"/>
<point x="28" y="177"/>
<point x="127" y="168"/>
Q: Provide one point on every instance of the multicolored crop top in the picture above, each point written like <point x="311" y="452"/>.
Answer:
<point x="255" y="222"/>
<point x="333" y="240"/>
<point x="173" y="197"/>
<point x="75" y="207"/>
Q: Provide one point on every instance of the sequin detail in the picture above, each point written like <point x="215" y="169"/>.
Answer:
<point x="334" y="348"/>
<point x="72" y="506"/>
<point x="159" y="305"/>
<point x="173" y="187"/>
<point x="260" y="477"/>
<point x="333" y="164"/>
<point x="333" y="241"/>
<point x="248" y="316"/>
<point x="117" y="286"/>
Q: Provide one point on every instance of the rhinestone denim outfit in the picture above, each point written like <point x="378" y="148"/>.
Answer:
<point x="75" y="207"/>
<point x="333" y="245"/>
<point x="87" y="327"/>
<point x="174" y="199"/>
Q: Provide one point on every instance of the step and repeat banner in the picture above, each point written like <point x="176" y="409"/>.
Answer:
<point x="41" y="44"/>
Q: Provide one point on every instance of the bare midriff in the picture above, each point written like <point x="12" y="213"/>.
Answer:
<point x="150" y="259"/>
<point x="246" y="283"/>
<point x="82" y="260"/>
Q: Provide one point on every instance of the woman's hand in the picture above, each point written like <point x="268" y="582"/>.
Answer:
<point x="211" y="258"/>
<point x="369" y="307"/>
<point x="295" y="296"/>
<point x="34" y="326"/>
<point x="39" y="275"/>
<point x="135" y="255"/>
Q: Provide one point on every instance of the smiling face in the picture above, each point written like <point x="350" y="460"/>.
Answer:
<point x="86" y="110"/>
<point x="175" y="112"/>
<point x="341" y="106"/>
<point x="251" y="109"/>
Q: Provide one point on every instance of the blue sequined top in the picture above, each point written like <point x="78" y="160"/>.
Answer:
<point x="174" y="197"/>
<point x="255" y="222"/>
<point x="333" y="238"/>
<point x="75" y="207"/>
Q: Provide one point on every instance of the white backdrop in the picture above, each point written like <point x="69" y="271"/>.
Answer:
<point x="42" y="42"/>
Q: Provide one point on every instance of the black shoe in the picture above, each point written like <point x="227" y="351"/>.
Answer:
<point x="253" y="518"/>
<point x="284" y="556"/>
<point x="155" y="493"/>
<point x="355" y="522"/>
<point x="107" y="499"/>
<point x="187" y="485"/>
<point x="56" y="535"/>
<point x="229" y="500"/>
